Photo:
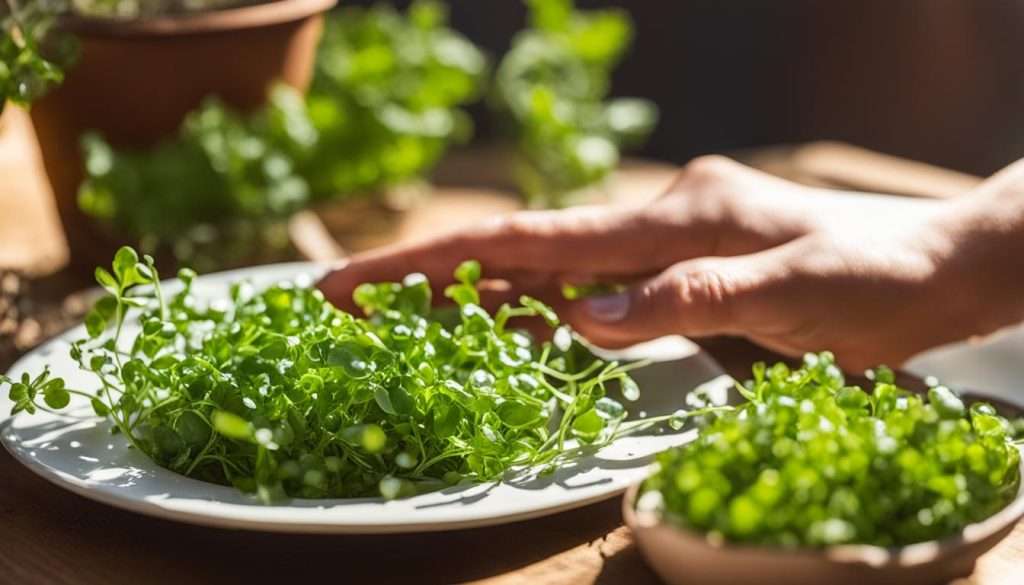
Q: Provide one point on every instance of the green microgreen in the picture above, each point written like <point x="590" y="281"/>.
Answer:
<point x="387" y="94"/>
<point x="32" y="59"/>
<point x="551" y="91"/>
<point x="218" y="191"/>
<point x="280" y="393"/>
<point x="574" y="292"/>
<point x="812" y="461"/>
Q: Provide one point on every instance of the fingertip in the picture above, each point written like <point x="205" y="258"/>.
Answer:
<point x="337" y="286"/>
<point x="607" y="308"/>
<point x="602" y="333"/>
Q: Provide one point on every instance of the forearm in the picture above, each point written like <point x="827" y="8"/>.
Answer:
<point x="983" y="263"/>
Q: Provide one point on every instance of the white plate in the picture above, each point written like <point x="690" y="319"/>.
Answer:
<point x="79" y="453"/>
<point x="991" y="366"/>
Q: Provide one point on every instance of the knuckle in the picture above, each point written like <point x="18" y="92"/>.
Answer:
<point x="707" y="288"/>
<point x="706" y="190"/>
<point x="517" y="227"/>
<point x="710" y="167"/>
<point x="514" y="227"/>
<point x="522" y="238"/>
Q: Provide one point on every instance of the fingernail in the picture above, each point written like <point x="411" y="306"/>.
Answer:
<point x="608" y="308"/>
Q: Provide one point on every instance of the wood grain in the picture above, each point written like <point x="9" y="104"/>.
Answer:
<point x="54" y="537"/>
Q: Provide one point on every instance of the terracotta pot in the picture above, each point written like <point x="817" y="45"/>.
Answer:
<point x="684" y="557"/>
<point x="135" y="81"/>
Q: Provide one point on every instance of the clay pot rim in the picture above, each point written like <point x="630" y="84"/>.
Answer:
<point x="910" y="555"/>
<point x="213" y="21"/>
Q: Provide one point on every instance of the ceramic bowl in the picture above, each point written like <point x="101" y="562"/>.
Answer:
<point x="684" y="557"/>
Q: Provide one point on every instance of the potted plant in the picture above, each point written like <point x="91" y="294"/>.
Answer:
<point x="382" y="109"/>
<point x="142" y="66"/>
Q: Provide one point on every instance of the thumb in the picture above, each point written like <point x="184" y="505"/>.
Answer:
<point x="708" y="296"/>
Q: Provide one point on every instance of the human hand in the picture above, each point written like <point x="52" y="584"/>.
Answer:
<point x="729" y="250"/>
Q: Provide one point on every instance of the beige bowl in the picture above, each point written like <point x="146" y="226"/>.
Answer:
<point x="684" y="557"/>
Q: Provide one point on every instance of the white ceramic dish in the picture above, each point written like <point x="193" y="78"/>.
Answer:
<point x="991" y="365"/>
<point x="77" y="452"/>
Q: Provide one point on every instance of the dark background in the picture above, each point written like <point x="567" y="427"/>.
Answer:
<point x="935" y="80"/>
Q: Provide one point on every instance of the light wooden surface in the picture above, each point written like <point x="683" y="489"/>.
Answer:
<point x="30" y="232"/>
<point x="842" y="166"/>
<point x="54" y="537"/>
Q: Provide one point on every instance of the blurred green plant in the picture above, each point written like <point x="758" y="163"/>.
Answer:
<point x="551" y="90"/>
<point x="385" y="97"/>
<point x="31" y="59"/>
<point x="382" y="109"/>
<point x="218" y="191"/>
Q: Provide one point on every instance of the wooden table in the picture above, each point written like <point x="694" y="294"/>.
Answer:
<point x="50" y="536"/>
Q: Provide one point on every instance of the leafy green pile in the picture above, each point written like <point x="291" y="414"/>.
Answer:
<point x="280" y="393"/>
<point x="382" y="110"/>
<point x="217" y="192"/>
<point x="552" y="87"/>
<point x="31" y="60"/>
<point x="810" y="461"/>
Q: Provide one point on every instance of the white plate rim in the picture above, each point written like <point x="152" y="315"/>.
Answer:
<point x="145" y="507"/>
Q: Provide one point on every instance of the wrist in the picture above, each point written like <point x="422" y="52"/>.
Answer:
<point x="981" y="253"/>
